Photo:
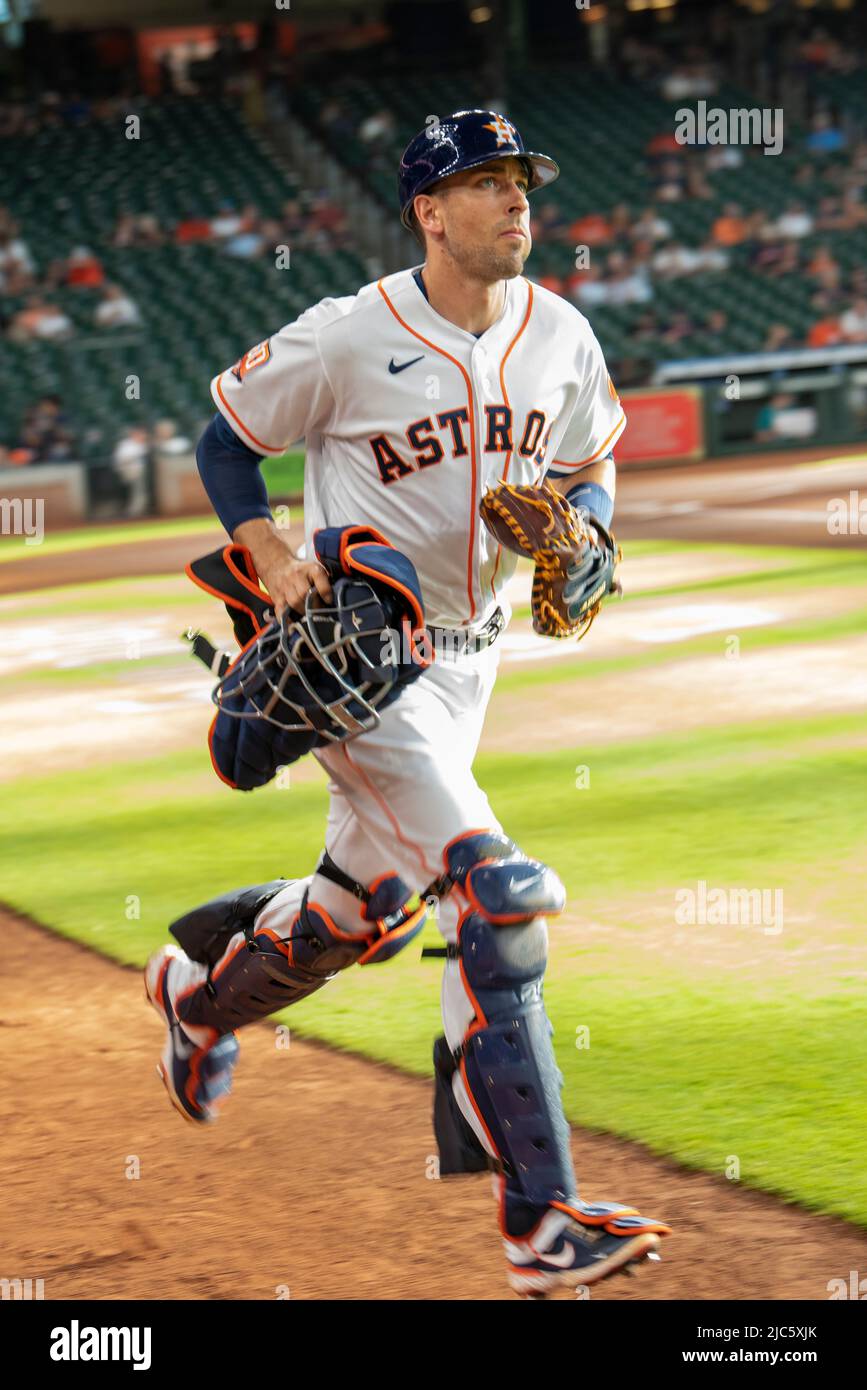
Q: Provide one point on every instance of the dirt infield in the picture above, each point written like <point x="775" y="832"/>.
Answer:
<point x="314" y="1179"/>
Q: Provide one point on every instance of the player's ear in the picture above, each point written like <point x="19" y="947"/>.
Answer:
<point x="428" y="214"/>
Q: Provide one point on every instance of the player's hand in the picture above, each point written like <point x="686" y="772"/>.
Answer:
<point x="289" y="580"/>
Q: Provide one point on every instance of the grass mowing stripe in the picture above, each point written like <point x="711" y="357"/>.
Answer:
<point x="103" y="537"/>
<point x="662" y="653"/>
<point x="821" y="572"/>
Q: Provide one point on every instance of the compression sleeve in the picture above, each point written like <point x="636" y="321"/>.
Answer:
<point x="231" y="475"/>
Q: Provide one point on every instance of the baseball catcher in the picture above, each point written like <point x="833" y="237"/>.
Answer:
<point x="456" y="416"/>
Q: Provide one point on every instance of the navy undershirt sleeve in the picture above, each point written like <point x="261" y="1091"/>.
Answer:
<point x="231" y="475"/>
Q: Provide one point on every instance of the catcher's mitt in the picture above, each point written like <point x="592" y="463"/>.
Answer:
<point x="573" y="572"/>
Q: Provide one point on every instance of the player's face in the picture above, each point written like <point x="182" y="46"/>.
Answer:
<point x="485" y="219"/>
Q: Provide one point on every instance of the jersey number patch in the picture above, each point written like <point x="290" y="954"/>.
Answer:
<point x="256" y="357"/>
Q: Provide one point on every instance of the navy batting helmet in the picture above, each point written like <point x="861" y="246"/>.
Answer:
<point x="461" y="141"/>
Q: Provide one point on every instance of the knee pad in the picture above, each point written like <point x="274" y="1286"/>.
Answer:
<point x="266" y="972"/>
<point x="506" y="1060"/>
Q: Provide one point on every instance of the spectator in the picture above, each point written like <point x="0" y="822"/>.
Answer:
<point x="193" y="229"/>
<point x="378" y="129"/>
<point x="795" y="222"/>
<point x="670" y="180"/>
<point x="592" y="229"/>
<point x="716" y="323"/>
<point x="723" y="157"/>
<point x="651" y="227"/>
<point x="325" y="216"/>
<point x="673" y="260"/>
<point x="84" y="270"/>
<point x="554" y="283"/>
<point x="646" y="328"/>
<point x="588" y="288"/>
<point x="227" y="223"/>
<point x="823" y="268"/>
<point x="759" y="227"/>
<point x="247" y="244"/>
<point x="137" y="229"/>
<point x="116" y="309"/>
<point x="679" y="327"/>
<point x="784" y="418"/>
<point x="697" y="185"/>
<point x="16" y="263"/>
<point x="619" y="222"/>
<point x="825" y="332"/>
<point x="853" y="324"/>
<point x="710" y="257"/>
<point x="39" y="319"/>
<point x="641" y="256"/>
<point x="858" y="282"/>
<point x="787" y="261"/>
<point x="292" y="216"/>
<point x="766" y="258"/>
<point x="852" y="212"/>
<point x="626" y="285"/>
<point x="729" y="229"/>
<point x="689" y="80"/>
<point x="549" y="224"/>
<point x="167" y="439"/>
<point x="662" y="144"/>
<point x="45" y="433"/>
<point x="130" y="459"/>
<point x="828" y="214"/>
<point x="825" y="137"/>
<point x="779" y="338"/>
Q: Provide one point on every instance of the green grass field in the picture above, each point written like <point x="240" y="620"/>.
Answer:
<point x="705" y="1042"/>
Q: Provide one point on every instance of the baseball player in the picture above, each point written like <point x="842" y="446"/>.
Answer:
<point x="417" y="396"/>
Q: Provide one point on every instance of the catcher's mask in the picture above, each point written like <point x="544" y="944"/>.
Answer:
<point x="315" y="678"/>
<point x="326" y="673"/>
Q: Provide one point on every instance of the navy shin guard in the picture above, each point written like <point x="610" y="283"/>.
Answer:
<point x="507" y="1060"/>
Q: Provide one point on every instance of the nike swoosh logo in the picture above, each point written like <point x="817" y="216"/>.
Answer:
<point x="183" y="1048"/>
<point x="403" y="366"/>
<point x="563" y="1259"/>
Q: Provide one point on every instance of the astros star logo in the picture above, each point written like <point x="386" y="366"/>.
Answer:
<point x="503" y="129"/>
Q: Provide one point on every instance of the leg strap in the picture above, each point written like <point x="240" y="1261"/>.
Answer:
<point x="267" y="971"/>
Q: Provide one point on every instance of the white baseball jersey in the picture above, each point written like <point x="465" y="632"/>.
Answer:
<point x="408" y="419"/>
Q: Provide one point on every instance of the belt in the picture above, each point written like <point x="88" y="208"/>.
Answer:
<point x="448" y="639"/>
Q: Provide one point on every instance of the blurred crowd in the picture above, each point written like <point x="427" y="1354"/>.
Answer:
<point x="310" y="221"/>
<point x="29" y="307"/>
<point x="121" y="466"/>
<point x="622" y="255"/>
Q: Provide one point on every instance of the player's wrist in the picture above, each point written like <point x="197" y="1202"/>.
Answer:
<point x="265" y="542"/>
<point x="594" y="503"/>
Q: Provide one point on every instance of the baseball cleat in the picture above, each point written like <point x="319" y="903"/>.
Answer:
<point x="581" y="1245"/>
<point x="197" y="1078"/>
